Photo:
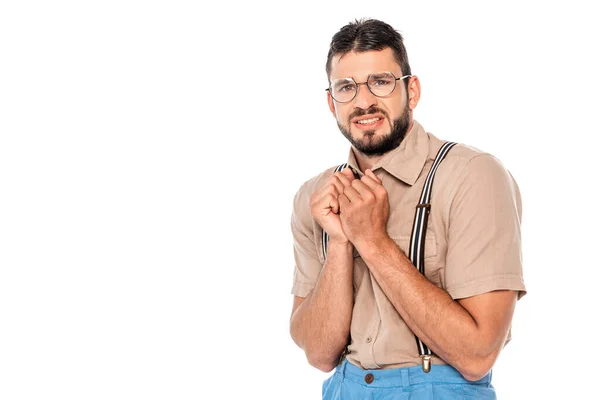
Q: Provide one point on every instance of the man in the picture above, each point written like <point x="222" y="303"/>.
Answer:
<point x="360" y="304"/>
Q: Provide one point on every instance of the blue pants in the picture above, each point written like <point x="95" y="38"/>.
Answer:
<point x="350" y="382"/>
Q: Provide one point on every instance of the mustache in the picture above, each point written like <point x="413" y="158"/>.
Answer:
<point x="359" y="112"/>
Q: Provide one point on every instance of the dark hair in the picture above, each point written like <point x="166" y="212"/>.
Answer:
<point x="368" y="34"/>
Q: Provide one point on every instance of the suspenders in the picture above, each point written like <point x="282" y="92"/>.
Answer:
<point x="417" y="238"/>
<point x="416" y="252"/>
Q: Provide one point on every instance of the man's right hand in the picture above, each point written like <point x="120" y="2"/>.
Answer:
<point x="325" y="207"/>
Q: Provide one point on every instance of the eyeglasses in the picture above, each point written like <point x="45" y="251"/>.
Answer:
<point x="380" y="84"/>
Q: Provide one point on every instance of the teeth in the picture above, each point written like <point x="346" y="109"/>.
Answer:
<point x="368" y="121"/>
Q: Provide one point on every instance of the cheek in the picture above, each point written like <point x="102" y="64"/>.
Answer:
<point x="342" y="115"/>
<point x="395" y="110"/>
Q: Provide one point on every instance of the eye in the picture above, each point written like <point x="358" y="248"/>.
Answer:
<point x="346" y="88"/>
<point x="381" y="82"/>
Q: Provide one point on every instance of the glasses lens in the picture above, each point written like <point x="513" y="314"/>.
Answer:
<point x="343" y="90"/>
<point x="382" y="84"/>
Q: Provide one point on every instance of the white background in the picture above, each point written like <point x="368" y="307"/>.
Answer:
<point x="150" y="152"/>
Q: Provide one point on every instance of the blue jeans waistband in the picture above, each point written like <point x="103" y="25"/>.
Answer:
<point x="403" y="377"/>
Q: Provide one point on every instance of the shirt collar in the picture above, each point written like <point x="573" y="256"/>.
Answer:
<point x="406" y="161"/>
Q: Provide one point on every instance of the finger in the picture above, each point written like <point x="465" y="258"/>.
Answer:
<point x="351" y="193"/>
<point x="335" y="205"/>
<point x="362" y="189"/>
<point x="324" y="193"/>
<point x="343" y="179"/>
<point x="374" y="185"/>
<point x="327" y="204"/>
<point x="344" y="203"/>
<point x="337" y="184"/>
<point x="370" y="182"/>
<point x="371" y="174"/>
<point x="348" y="173"/>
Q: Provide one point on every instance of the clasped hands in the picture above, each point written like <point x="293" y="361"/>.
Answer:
<point x="352" y="210"/>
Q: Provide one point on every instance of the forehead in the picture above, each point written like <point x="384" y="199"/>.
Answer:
<point x="360" y="65"/>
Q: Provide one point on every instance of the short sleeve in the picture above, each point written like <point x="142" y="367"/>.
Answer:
<point x="484" y="231"/>
<point x="307" y="262"/>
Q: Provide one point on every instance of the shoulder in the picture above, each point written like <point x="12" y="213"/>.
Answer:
<point x="469" y="164"/>
<point x="460" y="155"/>
<point x="469" y="171"/>
<point x="465" y="162"/>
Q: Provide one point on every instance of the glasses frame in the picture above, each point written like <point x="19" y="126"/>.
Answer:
<point x="368" y="87"/>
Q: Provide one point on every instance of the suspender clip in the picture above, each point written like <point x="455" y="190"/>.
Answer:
<point x="426" y="363"/>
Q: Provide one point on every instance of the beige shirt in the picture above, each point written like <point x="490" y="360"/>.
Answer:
<point x="472" y="245"/>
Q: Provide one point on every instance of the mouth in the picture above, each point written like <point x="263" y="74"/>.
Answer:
<point x="368" y="122"/>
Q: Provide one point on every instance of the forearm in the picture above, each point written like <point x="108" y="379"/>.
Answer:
<point x="321" y="324"/>
<point x="439" y="321"/>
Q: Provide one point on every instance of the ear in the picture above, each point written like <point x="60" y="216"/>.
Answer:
<point x="414" y="92"/>
<point x="331" y="104"/>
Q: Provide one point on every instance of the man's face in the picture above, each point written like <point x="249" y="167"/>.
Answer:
<point x="374" y="125"/>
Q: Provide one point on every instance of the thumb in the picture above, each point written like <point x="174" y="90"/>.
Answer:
<point x="348" y="173"/>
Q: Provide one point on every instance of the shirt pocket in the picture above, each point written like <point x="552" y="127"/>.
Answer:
<point x="432" y="267"/>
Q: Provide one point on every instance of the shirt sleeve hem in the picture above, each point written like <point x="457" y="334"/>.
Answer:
<point x="301" y="289"/>
<point x="489" y="284"/>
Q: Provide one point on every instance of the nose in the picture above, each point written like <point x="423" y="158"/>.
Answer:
<point x="364" y="98"/>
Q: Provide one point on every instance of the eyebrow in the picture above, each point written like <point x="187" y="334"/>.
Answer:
<point x="342" y="82"/>
<point x="342" y="79"/>
<point x="380" y="74"/>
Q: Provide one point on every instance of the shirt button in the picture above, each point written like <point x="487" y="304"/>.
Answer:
<point x="369" y="378"/>
<point x="368" y="340"/>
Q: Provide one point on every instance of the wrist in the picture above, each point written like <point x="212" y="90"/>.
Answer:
<point x="339" y="244"/>
<point x="373" y="245"/>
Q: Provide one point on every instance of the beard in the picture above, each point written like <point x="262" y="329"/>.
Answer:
<point x="368" y="144"/>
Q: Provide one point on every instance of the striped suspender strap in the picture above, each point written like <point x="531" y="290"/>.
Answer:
<point x="417" y="239"/>
<point x="325" y="237"/>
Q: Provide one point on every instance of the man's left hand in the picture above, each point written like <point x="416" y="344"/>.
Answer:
<point x="364" y="210"/>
